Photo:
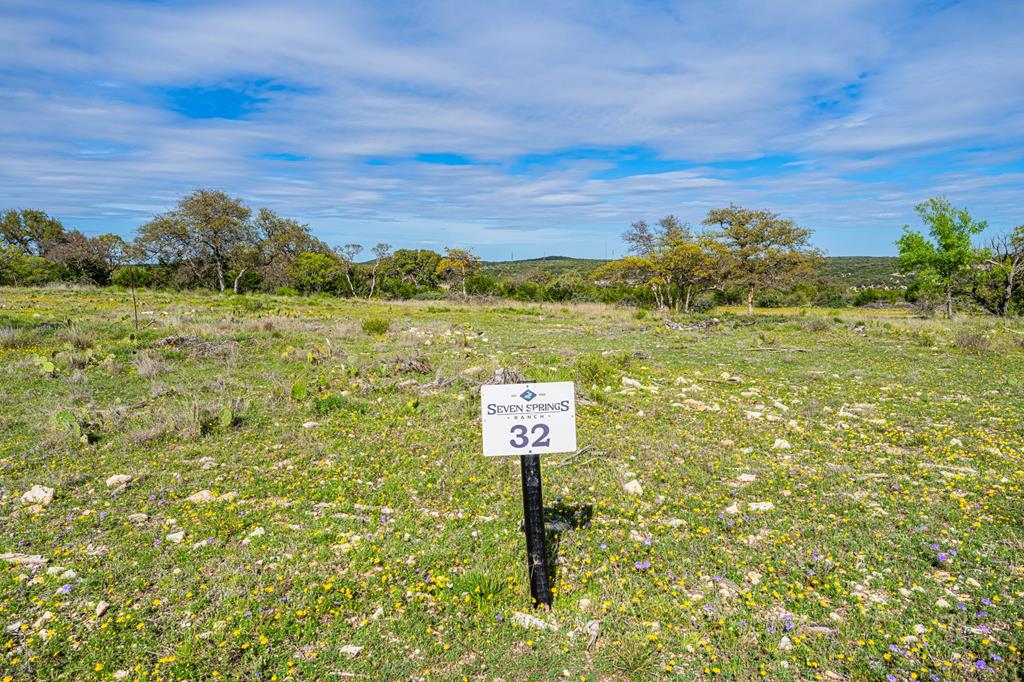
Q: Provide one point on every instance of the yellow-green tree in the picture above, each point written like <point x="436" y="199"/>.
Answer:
<point x="761" y="249"/>
<point x="673" y="260"/>
<point x="457" y="265"/>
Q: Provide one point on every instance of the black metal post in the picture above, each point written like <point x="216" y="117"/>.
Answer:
<point x="536" y="544"/>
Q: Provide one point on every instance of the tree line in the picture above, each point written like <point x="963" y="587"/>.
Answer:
<point x="736" y="255"/>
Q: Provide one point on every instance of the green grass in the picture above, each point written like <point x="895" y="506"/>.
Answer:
<point x="357" y="510"/>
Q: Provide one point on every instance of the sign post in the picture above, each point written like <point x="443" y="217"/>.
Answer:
<point x="529" y="420"/>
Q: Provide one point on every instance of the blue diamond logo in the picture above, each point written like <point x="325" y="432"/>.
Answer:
<point x="527" y="395"/>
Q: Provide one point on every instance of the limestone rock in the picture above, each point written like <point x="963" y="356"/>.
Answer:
<point x="38" y="494"/>
<point x="633" y="488"/>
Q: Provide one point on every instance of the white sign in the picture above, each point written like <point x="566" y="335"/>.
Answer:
<point x="528" y="419"/>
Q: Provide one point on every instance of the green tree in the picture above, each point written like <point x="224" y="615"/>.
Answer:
<point x="762" y="249"/>
<point x="413" y="266"/>
<point x="948" y="257"/>
<point x="207" y="230"/>
<point x="278" y="242"/>
<point x="313" y="272"/>
<point x="457" y="265"/>
<point x="30" y="232"/>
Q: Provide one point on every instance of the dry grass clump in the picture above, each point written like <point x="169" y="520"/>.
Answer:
<point x="973" y="341"/>
<point x="14" y="339"/>
<point x="78" y="338"/>
<point x="148" y="364"/>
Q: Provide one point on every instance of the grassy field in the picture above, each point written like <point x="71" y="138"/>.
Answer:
<point x="258" y="488"/>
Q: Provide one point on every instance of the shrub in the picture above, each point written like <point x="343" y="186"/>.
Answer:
<point x="123" y="276"/>
<point x="599" y="370"/>
<point x="922" y="338"/>
<point x="702" y="303"/>
<point x="332" y="403"/>
<point x="286" y="291"/>
<point x="376" y="326"/>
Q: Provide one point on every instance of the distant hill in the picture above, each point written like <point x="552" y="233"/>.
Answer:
<point x="852" y="271"/>
<point x="864" y="271"/>
<point x="553" y="265"/>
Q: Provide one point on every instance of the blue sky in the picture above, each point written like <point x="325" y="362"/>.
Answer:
<point x="525" y="128"/>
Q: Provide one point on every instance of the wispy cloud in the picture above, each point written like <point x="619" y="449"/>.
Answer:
<point x="544" y="128"/>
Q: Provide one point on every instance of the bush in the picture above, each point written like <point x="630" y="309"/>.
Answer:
<point x="599" y="370"/>
<point x="286" y="291"/>
<point x="922" y="338"/>
<point x="376" y="326"/>
<point x="124" y="276"/>
<point x="769" y="298"/>
<point x="332" y="403"/>
<point x="703" y="303"/>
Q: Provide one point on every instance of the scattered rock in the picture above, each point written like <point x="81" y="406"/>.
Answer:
<point x="780" y="444"/>
<point x="138" y="517"/>
<point x="118" y="480"/>
<point x="201" y="496"/>
<point x="698" y="405"/>
<point x="632" y="383"/>
<point x="528" y="621"/>
<point x="38" y="494"/>
<point x="593" y="629"/>
<point x="732" y="509"/>
<point x="760" y="506"/>
<point x="29" y="560"/>
<point x="351" y="650"/>
<point x="818" y="630"/>
<point x="633" y="488"/>
<point x="746" y="478"/>
<point x="101" y="608"/>
<point x="942" y="603"/>
<point x="785" y="644"/>
<point x="310" y="425"/>
<point x="121" y="674"/>
<point x="505" y="375"/>
<point x="258" y="531"/>
<point x="585" y="604"/>
<point x="176" y="538"/>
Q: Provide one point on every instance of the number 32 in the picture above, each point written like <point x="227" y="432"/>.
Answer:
<point x="521" y="441"/>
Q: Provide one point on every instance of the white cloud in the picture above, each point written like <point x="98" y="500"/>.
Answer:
<point x="84" y="131"/>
